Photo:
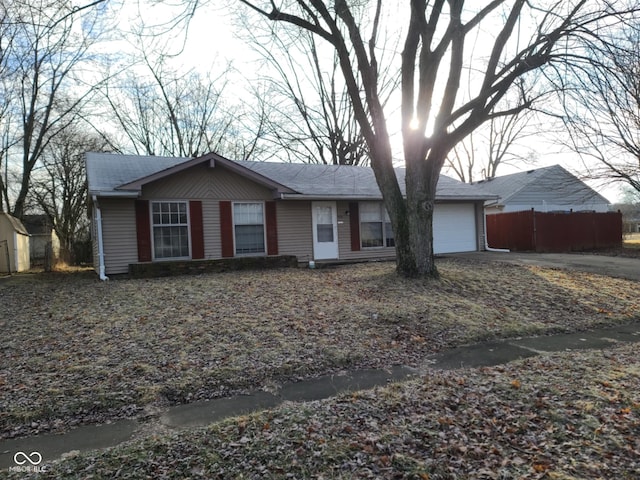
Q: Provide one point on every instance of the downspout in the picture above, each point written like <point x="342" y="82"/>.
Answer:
<point x="486" y="238"/>
<point x="98" y="221"/>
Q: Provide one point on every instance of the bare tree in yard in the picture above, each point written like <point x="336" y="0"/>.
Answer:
<point x="431" y="65"/>
<point x="60" y="187"/>
<point x="603" y="109"/>
<point x="50" y="43"/>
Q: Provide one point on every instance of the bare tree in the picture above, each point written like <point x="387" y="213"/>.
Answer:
<point x="312" y="118"/>
<point x="60" y="186"/>
<point x="498" y="142"/>
<point x="51" y="41"/>
<point x="602" y="110"/>
<point x="160" y="111"/>
<point x="432" y="63"/>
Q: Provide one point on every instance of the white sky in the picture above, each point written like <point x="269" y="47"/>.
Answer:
<point x="213" y="42"/>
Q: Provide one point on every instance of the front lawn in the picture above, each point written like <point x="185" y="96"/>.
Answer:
<point x="77" y="350"/>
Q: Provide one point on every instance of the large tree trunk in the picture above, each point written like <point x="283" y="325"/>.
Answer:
<point x="411" y="218"/>
<point x="421" y="181"/>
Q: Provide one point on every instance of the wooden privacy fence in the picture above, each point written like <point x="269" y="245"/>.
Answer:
<point x="554" y="232"/>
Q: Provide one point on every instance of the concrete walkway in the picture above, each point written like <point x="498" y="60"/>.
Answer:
<point x="93" y="437"/>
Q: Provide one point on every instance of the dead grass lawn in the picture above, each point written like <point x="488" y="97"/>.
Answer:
<point x="77" y="350"/>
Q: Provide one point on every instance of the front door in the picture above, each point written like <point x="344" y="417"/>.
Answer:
<point x="325" y="230"/>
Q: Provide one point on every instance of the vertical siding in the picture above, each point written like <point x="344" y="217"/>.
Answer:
<point x="119" y="234"/>
<point x="211" y="227"/>
<point x="295" y="232"/>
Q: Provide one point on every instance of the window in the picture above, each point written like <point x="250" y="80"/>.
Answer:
<point x="248" y="224"/>
<point x="375" y="226"/>
<point x="324" y="224"/>
<point x="170" y="230"/>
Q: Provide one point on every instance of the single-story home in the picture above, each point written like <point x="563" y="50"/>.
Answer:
<point x="14" y="245"/>
<point x="150" y="209"/>
<point x="548" y="189"/>
<point x="41" y="234"/>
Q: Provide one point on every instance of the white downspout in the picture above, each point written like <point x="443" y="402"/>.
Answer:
<point x="98" y="220"/>
<point x="486" y="238"/>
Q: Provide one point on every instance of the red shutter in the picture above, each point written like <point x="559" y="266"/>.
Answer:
<point x="354" y="224"/>
<point x="226" y="229"/>
<point x="272" y="228"/>
<point x="143" y="230"/>
<point x="197" y="229"/>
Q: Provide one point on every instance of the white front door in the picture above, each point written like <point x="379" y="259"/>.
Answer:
<point x="325" y="230"/>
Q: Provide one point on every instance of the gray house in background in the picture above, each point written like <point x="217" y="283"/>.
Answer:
<point x="153" y="209"/>
<point x="549" y="189"/>
<point x="41" y="233"/>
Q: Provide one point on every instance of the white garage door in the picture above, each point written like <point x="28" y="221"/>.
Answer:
<point x="454" y="228"/>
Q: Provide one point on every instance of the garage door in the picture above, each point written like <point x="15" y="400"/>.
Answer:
<point x="454" y="228"/>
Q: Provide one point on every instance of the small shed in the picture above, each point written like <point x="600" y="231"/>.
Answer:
<point x="14" y="245"/>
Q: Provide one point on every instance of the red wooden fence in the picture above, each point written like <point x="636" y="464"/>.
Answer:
<point x="554" y="232"/>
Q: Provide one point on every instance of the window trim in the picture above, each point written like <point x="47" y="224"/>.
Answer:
<point x="153" y="240"/>
<point x="264" y="228"/>
<point x="384" y="222"/>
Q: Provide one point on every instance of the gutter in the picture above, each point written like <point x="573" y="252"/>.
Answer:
<point x="365" y="197"/>
<point x="98" y="219"/>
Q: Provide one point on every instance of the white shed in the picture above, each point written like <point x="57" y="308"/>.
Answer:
<point x="14" y="245"/>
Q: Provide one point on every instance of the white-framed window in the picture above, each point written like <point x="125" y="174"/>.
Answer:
<point x="170" y="224"/>
<point x="375" y="226"/>
<point x="249" y="227"/>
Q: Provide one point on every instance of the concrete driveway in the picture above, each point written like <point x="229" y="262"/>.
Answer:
<point x="620" y="267"/>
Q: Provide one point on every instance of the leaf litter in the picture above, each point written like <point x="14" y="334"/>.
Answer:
<point x="570" y="415"/>
<point x="76" y="350"/>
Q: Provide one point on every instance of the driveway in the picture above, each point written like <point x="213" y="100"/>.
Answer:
<point x="621" y="267"/>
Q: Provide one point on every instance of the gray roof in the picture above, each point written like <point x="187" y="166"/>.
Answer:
<point x="15" y="223"/>
<point x="552" y="184"/>
<point x="119" y="175"/>
<point x="107" y="171"/>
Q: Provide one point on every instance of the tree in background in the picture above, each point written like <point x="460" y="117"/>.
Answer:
<point x="498" y="142"/>
<point x="60" y="186"/>
<point x="434" y="116"/>
<point x="602" y="108"/>
<point x="311" y="116"/>
<point x="161" y="111"/>
<point x="47" y="44"/>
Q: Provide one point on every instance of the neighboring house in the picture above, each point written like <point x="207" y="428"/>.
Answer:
<point x="147" y="209"/>
<point x="630" y="216"/>
<point x="14" y="245"/>
<point x="549" y="189"/>
<point x="41" y="233"/>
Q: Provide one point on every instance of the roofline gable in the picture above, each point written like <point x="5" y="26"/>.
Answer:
<point x="535" y="176"/>
<point x="212" y="159"/>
